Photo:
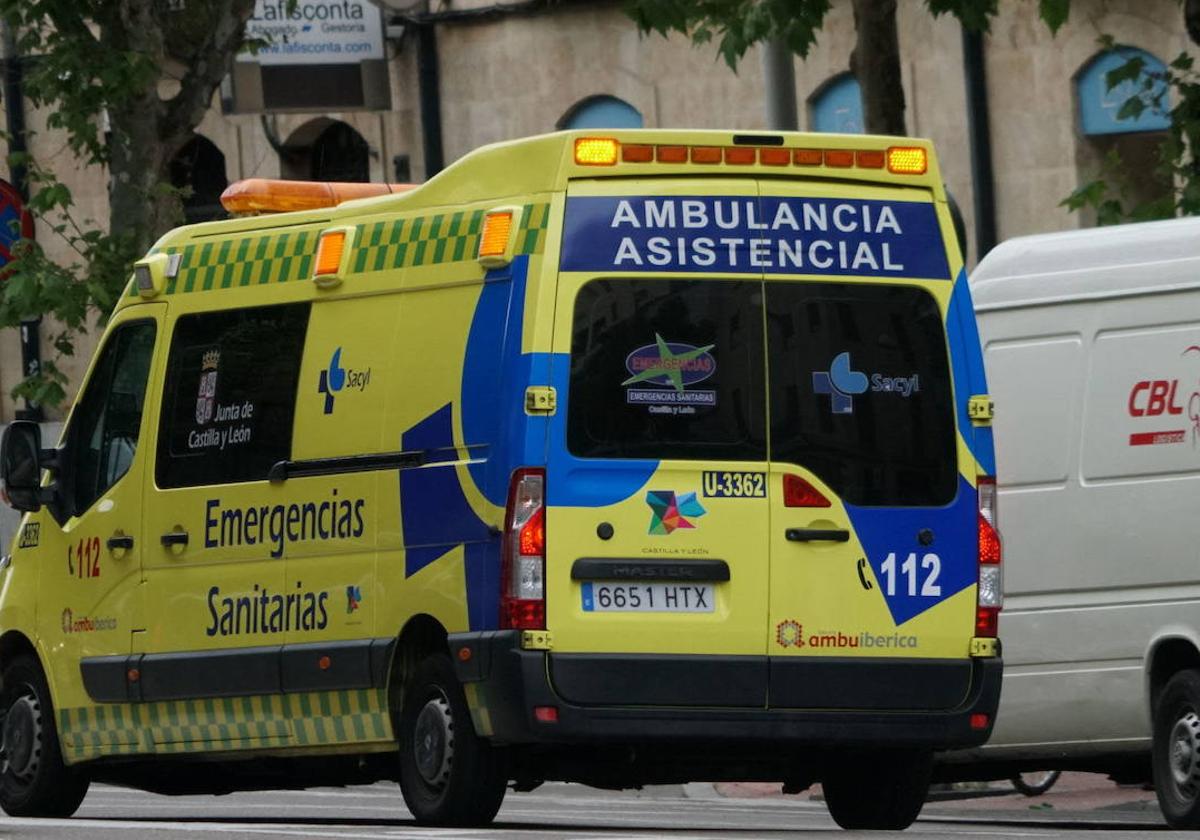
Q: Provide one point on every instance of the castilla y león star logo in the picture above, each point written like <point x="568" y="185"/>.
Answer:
<point x="670" y="511"/>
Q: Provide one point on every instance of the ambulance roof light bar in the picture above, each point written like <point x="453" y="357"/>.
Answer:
<point x="252" y="196"/>
<point x="608" y="151"/>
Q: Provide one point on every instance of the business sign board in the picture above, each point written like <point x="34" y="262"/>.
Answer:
<point x="313" y="55"/>
<point x="314" y="32"/>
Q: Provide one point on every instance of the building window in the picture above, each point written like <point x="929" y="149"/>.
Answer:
<point x="1099" y="106"/>
<point x="1104" y="138"/>
<point x="198" y="169"/>
<point x="601" y="112"/>
<point x="326" y="150"/>
<point x="836" y="107"/>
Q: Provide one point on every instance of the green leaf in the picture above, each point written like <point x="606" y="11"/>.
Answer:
<point x="1054" y="13"/>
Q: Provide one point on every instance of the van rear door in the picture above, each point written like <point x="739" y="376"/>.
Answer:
<point x="873" y="530"/>
<point x="657" y="524"/>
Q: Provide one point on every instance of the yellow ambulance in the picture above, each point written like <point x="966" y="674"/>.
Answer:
<point x="625" y="458"/>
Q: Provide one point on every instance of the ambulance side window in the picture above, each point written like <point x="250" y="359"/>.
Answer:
<point x="230" y="395"/>
<point x="106" y="423"/>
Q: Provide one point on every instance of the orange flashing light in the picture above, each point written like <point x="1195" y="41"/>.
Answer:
<point x="840" y="158"/>
<point x="706" y="154"/>
<point x="329" y="252"/>
<point x="596" y="151"/>
<point x="637" y="154"/>
<point x="775" y="157"/>
<point x="741" y="155"/>
<point x="907" y="160"/>
<point x="264" y="195"/>
<point x="808" y="157"/>
<point x="869" y="159"/>
<point x="672" y="154"/>
<point x="493" y="242"/>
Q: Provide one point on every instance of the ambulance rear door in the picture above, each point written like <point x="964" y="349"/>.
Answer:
<point x="873" y="528"/>
<point x="657" y="520"/>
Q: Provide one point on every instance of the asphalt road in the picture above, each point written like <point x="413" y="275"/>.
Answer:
<point x="559" y="812"/>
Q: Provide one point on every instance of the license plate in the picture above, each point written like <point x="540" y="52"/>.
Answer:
<point x="648" y="597"/>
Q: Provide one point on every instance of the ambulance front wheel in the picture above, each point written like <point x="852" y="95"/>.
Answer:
<point x="877" y="790"/>
<point x="448" y="775"/>
<point x="34" y="781"/>
<point x="1176" y="755"/>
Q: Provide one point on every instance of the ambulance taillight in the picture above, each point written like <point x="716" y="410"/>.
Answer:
<point x="523" y="554"/>
<point x="991" y="580"/>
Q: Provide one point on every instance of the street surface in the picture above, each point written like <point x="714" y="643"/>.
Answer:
<point x="1080" y="805"/>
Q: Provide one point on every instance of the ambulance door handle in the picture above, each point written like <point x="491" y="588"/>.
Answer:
<point x="817" y="534"/>
<point x="174" y="538"/>
<point x="122" y="543"/>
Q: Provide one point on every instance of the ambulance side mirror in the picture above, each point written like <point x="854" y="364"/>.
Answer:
<point x="22" y="460"/>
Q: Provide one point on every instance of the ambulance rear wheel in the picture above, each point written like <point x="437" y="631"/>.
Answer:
<point x="34" y="781"/>
<point x="877" y="790"/>
<point x="1176" y="757"/>
<point x="448" y="775"/>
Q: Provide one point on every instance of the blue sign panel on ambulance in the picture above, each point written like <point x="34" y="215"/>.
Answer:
<point x="748" y="235"/>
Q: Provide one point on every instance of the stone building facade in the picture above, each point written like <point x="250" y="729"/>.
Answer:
<point x="530" y="66"/>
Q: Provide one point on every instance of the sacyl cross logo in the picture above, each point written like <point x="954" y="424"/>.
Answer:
<point x="841" y="383"/>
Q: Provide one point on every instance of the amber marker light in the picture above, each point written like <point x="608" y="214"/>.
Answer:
<point x="841" y="158"/>
<point x="907" y="160"/>
<point x="870" y="159"/>
<point x="671" y="154"/>
<point x="775" y="157"/>
<point x="808" y="157"/>
<point x="741" y="155"/>
<point x="706" y="154"/>
<point x="637" y="154"/>
<point x="596" y="151"/>
<point x="494" y="239"/>
<point x="329" y="252"/>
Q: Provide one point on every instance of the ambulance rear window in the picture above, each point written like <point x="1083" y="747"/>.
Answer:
<point x="667" y="369"/>
<point x="860" y="390"/>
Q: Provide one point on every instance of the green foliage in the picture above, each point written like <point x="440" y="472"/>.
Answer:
<point x="86" y="285"/>
<point x="69" y="73"/>
<point x="94" y="67"/>
<point x="738" y="24"/>
<point x="1109" y="195"/>
<point x="1054" y="12"/>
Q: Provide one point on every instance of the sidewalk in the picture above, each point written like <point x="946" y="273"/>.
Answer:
<point x="1085" y="798"/>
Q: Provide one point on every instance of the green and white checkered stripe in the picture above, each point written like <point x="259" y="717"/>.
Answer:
<point x="381" y="246"/>
<point x="440" y="238"/>
<point x="217" y="724"/>
<point x="246" y="261"/>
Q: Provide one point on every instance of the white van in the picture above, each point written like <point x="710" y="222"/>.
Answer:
<point x="1092" y="350"/>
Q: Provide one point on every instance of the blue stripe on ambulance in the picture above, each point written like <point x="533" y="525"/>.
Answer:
<point x="966" y="359"/>
<point x="437" y="519"/>
<point x="885" y="532"/>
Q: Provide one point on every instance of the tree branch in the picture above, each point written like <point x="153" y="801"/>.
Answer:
<point x="70" y="22"/>
<point x="208" y="65"/>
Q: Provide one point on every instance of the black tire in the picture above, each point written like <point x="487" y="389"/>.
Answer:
<point x="34" y="781"/>
<point x="878" y="790"/>
<point x="448" y="775"/>
<point x="1035" y="783"/>
<point x="1176" y="757"/>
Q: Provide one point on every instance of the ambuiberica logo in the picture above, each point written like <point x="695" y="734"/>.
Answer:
<point x="842" y="383"/>
<point x="671" y="367"/>
<point x="336" y="378"/>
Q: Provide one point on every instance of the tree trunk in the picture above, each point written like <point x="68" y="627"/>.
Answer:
<point x="1191" y="19"/>
<point x="875" y="62"/>
<point x="141" y="202"/>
